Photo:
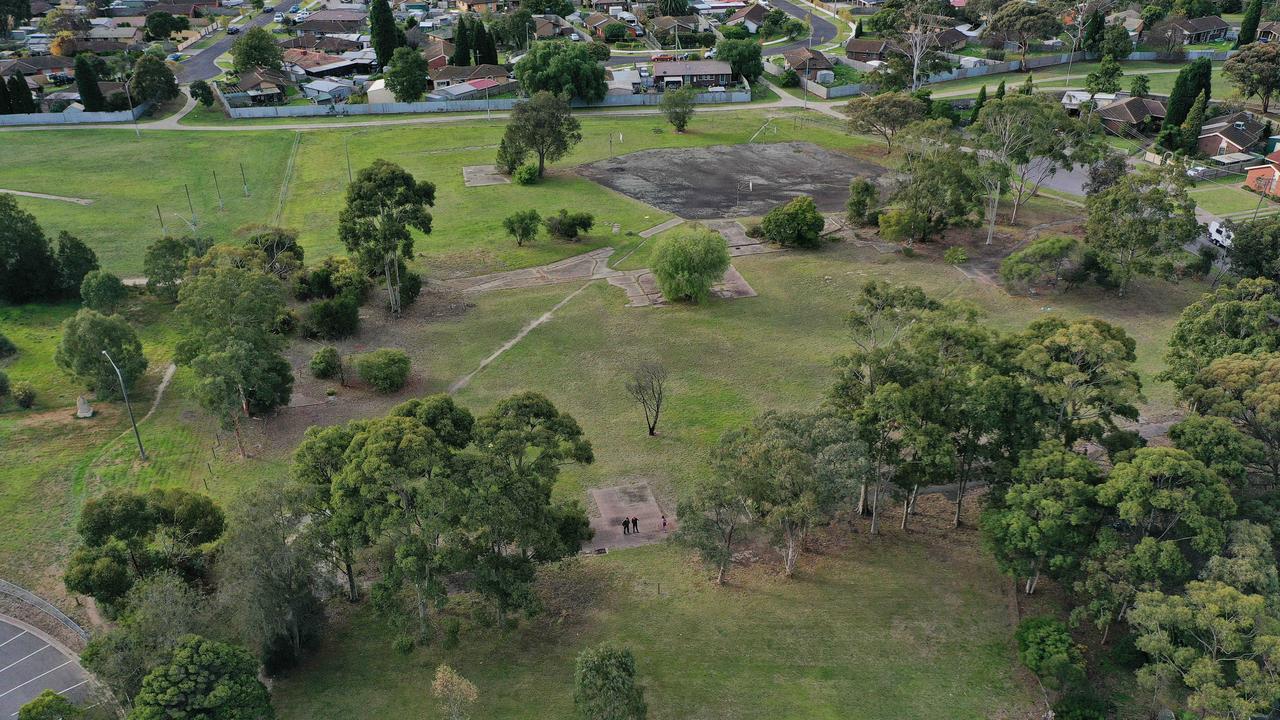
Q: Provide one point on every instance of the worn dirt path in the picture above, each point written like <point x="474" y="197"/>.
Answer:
<point x="44" y="196"/>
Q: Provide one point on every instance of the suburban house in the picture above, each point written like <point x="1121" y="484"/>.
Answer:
<point x="676" y="23"/>
<point x="1269" y="31"/>
<point x="69" y="99"/>
<point x="550" y="27"/>
<point x="1265" y="177"/>
<point x="38" y="66"/>
<point x="807" y="62"/>
<point x="437" y="52"/>
<point x="1133" y="114"/>
<point x="477" y="89"/>
<point x="1232" y="133"/>
<point x="750" y="17"/>
<point x="130" y="36"/>
<point x="70" y="47"/>
<point x="1193" y="31"/>
<point x="455" y="75"/>
<point x="258" y="86"/>
<point x="312" y="26"/>
<point x="327" y="91"/>
<point x="1073" y="99"/>
<point x="1130" y="19"/>
<point x="597" y="22"/>
<point x="950" y="39"/>
<point x="603" y="6"/>
<point x="332" y="44"/>
<point x="866" y="49"/>
<point x="625" y="82"/>
<point x="699" y="73"/>
<point x="303" y="63"/>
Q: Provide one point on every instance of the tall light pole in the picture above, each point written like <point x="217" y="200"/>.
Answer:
<point x="124" y="391"/>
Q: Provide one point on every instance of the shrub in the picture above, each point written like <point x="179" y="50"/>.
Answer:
<point x="102" y="291"/>
<point x="326" y="363"/>
<point x="4" y="385"/>
<point x="403" y="644"/>
<point x="796" y="224"/>
<point x="452" y="630"/>
<point x="385" y="370"/>
<point x="410" y="287"/>
<point x="996" y="54"/>
<point x="686" y="266"/>
<point x="566" y="225"/>
<point x="335" y="318"/>
<point x="614" y="32"/>
<point x="330" y="277"/>
<point x="7" y="348"/>
<point x="1045" y="647"/>
<point x="790" y="78"/>
<point x="862" y="200"/>
<point x="525" y="174"/>
<point x="24" y="394"/>
<point x="901" y="224"/>
<point x="1081" y="704"/>
<point x="955" y="256"/>
<point x="523" y="225"/>
<point x="754" y="231"/>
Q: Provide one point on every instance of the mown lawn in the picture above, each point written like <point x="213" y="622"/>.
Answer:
<point x="1226" y="199"/>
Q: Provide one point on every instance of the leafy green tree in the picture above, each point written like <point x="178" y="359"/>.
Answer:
<point x="1255" y="249"/>
<point x="1216" y="641"/>
<point x="1193" y="80"/>
<point x="152" y="80"/>
<point x="165" y="262"/>
<point x="1024" y="22"/>
<point x="485" y="47"/>
<point x="406" y="75"/>
<point x="20" y="98"/>
<point x="160" y="25"/>
<point x="1244" y="389"/>
<point x="885" y="114"/>
<point x="28" y="270"/>
<point x="544" y="126"/>
<point x="939" y="189"/>
<point x="102" y="291"/>
<point x="1229" y="320"/>
<point x="1217" y="443"/>
<point x="24" y="394"/>
<point x="1116" y="42"/>
<point x="256" y="48"/>
<point x="795" y="224"/>
<point x="6" y="108"/>
<point x="1249" y="25"/>
<point x="1094" y="27"/>
<point x="206" y="679"/>
<point x="711" y="519"/>
<point x="1193" y="124"/>
<point x="454" y="692"/>
<point x="385" y="369"/>
<point x="1248" y="563"/>
<point x="463" y="52"/>
<point x="1255" y="71"/>
<point x="605" y="685"/>
<point x="202" y="93"/>
<point x="1045" y="647"/>
<point x="1083" y="370"/>
<point x="687" y="265"/>
<point x="562" y="68"/>
<point x="863" y="196"/>
<point x="1140" y="86"/>
<point x="523" y="225"/>
<point x="1045" y="517"/>
<point x="338" y="530"/>
<point x="1166" y="493"/>
<point x="74" y="259"/>
<point x="1042" y="257"/>
<point x="49" y="705"/>
<point x="978" y="104"/>
<point x="12" y="14"/>
<point x="382" y="205"/>
<point x="1106" y="79"/>
<point x="673" y="7"/>
<point x="1139" y="222"/>
<point x="326" y="363"/>
<point x="87" y="84"/>
<point x="86" y="337"/>
<point x="270" y="577"/>
<point x="383" y="32"/>
<point x="678" y="106"/>
<point x="743" y="56"/>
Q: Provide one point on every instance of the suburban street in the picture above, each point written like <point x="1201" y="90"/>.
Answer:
<point x="824" y="31"/>
<point x="201" y="65"/>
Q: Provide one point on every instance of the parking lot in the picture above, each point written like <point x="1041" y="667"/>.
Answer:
<point x="30" y="664"/>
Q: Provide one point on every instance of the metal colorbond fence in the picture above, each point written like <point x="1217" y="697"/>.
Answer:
<point x="43" y="606"/>
<point x="73" y="118"/>
<point x="272" y="111"/>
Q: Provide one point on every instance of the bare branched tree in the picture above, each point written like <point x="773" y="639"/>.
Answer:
<point x="648" y="386"/>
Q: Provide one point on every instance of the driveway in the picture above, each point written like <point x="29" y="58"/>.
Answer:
<point x="201" y="66"/>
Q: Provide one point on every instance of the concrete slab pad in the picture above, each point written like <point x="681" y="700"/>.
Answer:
<point x="627" y="501"/>
<point x="481" y="175"/>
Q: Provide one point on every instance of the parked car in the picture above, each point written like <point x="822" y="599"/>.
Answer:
<point x="294" y="8"/>
<point x="233" y="30"/>
<point x="1220" y="234"/>
<point x="304" y="15"/>
<point x="174" y="57"/>
<point x="1198" y="171"/>
<point x="278" y="18"/>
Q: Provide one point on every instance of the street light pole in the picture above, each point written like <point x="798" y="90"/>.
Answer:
<point x="124" y="391"/>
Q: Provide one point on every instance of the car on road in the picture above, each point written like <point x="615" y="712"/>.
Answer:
<point x="279" y="17"/>
<point x="233" y="30"/>
<point x="294" y="8"/>
<point x="1220" y="234"/>
<point x="174" y="57"/>
<point x="304" y="15"/>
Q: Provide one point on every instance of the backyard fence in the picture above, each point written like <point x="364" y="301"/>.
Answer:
<point x="35" y="601"/>
<point x="73" y="118"/>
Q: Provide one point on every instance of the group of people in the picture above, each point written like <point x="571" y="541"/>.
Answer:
<point x="631" y="526"/>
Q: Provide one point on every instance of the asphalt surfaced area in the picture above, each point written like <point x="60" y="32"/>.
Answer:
<point x="728" y="181"/>
<point x="29" y="664"/>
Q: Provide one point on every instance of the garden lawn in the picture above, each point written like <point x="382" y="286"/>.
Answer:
<point x="881" y="625"/>
<point x="1225" y="200"/>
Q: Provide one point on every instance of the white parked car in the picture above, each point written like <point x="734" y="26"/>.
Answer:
<point x="304" y="15"/>
<point x="279" y="17"/>
<point x="1198" y="171"/>
<point x="1220" y="234"/>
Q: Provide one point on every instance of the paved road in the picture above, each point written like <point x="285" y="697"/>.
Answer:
<point x="824" y="31"/>
<point x="201" y="66"/>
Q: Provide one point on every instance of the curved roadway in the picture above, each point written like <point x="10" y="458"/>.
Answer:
<point x="201" y="65"/>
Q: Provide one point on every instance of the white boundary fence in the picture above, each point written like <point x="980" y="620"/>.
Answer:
<point x="73" y="118"/>
<point x="43" y="606"/>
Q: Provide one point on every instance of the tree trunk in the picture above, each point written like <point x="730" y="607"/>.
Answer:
<point x="352" y="594"/>
<point x="542" y="162"/>
<point x="422" y="611"/>
<point x="393" y="301"/>
<point x="875" y="508"/>
<point x="906" y="510"/>
<point x="728" y="557"/>
<point x="915" y="493"/>
<point x="862" y="499"/>
<point x="995" y="208"/>
<point x="235" y="425"/>
<point x="792" y="552"/>
<point x="959" y="502"/>
<point x="1034" y="579"/>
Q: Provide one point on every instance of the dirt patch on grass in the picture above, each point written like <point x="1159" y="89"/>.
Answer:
<point x="726" y="181"/>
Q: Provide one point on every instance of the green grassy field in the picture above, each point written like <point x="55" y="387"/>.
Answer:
<point x="1160" y="75"/>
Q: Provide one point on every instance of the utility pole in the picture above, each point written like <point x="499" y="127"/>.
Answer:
<point x="163" y="232"/>
<point x="129" y="94"/>
<point x="190" y="206"/>
<point x="218" y="190"/>
<point x="124" y="391"/>
<point x="244" y="180"/>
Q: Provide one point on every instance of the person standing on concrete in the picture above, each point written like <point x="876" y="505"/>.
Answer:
<point x="626" y="526"/>
<point x="635" y="525"/>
